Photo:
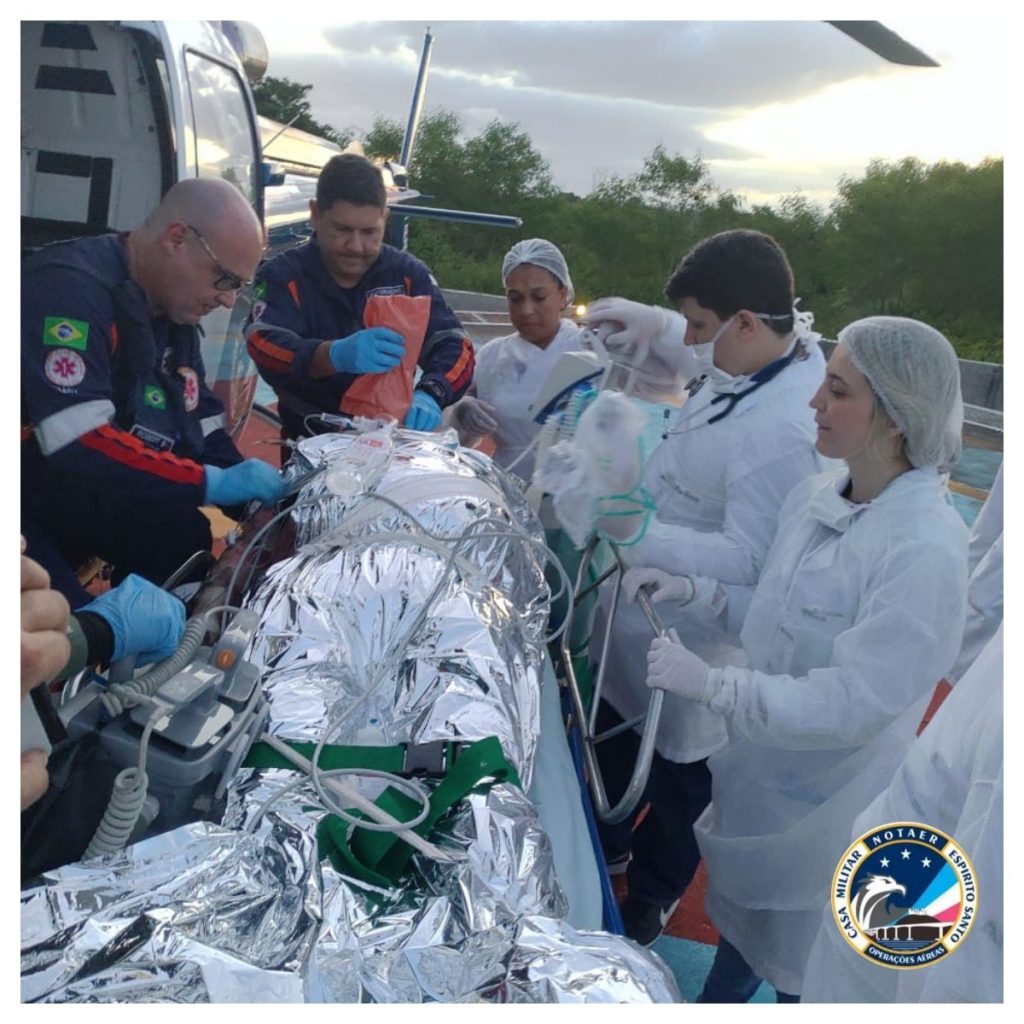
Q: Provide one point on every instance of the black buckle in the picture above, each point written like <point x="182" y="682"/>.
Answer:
<point x="429" y="760"/>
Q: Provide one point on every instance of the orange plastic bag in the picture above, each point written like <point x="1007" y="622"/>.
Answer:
<point x="390" y="394"/>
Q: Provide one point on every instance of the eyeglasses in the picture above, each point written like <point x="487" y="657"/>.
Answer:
<point x="226" y="280"/>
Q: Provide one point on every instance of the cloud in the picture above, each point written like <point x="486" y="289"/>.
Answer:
<point x="584" y="127"/>
<point x="753" y="99"/>
<point x="717" y="65"/>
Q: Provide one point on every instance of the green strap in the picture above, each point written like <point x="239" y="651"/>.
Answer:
<point x="381" y="857"/>
<point x="387" y="853"/>
<point x="385" y="759"/>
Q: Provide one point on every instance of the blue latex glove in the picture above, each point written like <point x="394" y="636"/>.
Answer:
<point x="373" y="350"/>
<point x="145" y="620"/>
<point x="424" y="413"/>
<point x="253" y="478"/>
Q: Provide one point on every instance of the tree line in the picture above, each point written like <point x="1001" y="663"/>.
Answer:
<point x="905" y="239"/>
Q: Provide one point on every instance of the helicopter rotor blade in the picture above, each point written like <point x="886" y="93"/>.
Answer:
<point x="883" y="41"/>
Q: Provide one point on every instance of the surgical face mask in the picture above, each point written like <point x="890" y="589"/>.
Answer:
<point x="720" y="380"/>
<point x="704" y="351"/>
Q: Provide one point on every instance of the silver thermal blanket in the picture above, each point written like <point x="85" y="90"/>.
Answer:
<point x="412" y="611"/>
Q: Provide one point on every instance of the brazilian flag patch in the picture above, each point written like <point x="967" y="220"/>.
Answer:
<point x="155" y="397"/>
<point x="67" y="333"/>
<point x="260" y="290"/>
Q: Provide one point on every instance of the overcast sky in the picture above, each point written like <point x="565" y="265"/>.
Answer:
<point x="772" y="106"/>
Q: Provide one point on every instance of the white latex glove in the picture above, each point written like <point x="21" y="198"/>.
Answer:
<point x="666" y="587"/>
<point x="650" y="339"/>
<point x="673" y="667"/>
<point x="473" y="417"/>
<point x="638" y="323"/>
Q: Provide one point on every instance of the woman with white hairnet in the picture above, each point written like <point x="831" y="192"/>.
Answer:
<point x="858" y="611"/>
<point x="510" y="370"/>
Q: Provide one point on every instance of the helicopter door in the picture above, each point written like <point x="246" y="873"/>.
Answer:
<point x="94" y="135"/>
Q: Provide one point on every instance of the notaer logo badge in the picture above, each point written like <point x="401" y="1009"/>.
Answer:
<point x="904" y="895"/>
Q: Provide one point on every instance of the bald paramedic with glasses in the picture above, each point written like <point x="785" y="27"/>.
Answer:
<point x="122" y="440"/>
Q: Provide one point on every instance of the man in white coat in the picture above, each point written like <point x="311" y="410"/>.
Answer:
<point x="742" y="440"/>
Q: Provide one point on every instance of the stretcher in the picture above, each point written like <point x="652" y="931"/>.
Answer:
<point x="520" y="901"/>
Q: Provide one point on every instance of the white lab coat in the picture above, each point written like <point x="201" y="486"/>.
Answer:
<point x="508" y="376"/>
<point x="718" y="489"/>
<point x="858" y="613"/>
<point x="985" y="588"/>
<point x="951" y="779"/>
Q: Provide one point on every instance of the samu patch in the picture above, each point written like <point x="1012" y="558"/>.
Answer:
<point x="67" y="333"/>
<point x="65" y="368"/>
<point x="191" y="387"/>
<point x="154" y="397"/>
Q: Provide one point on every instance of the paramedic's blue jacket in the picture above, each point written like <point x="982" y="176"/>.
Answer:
<point x="114" y="403"/>
<point x="298" y="305"/>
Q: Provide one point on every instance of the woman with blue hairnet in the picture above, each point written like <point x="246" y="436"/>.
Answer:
<point x="510" y="370"/>
<point x="858" y="612"/>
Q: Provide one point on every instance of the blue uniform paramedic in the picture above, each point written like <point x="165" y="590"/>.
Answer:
<point x="122" y="439"/>
<point x="308" y="337"/>
<point x="742" y="440"/>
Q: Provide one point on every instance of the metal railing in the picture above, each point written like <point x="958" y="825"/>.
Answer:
<point x="588" y="720"/>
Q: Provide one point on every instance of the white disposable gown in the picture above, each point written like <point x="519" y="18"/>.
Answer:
<point x="718" y="488"/>
<point x="857" y="615"/>
<point x="508" y="376"/>
<point x="985" y="588"/>
<point x="951" y="779"/>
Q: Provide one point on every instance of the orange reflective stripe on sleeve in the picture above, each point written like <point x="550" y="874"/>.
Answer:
<point x="463" y="363"/>
<point x="130" y="451"/>
<point x="267" y="354"/>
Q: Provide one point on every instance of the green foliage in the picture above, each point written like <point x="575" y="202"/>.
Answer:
<point x="384" y="139"/>
<point x="923" y="241"/>
<point x="906" y="238"/>
<point x="666" y="182"/>
<point x="281" y="99"/>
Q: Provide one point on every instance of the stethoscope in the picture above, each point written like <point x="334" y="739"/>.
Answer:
<point x="759" y="379"/>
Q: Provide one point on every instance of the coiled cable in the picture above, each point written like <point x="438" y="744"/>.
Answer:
<point x="126" y="695"/>
<point x="126" y="801"/>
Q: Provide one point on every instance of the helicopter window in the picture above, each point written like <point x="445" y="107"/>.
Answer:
<point x="223" y="136"/>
